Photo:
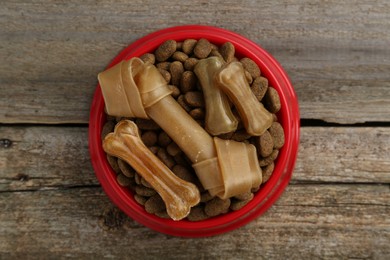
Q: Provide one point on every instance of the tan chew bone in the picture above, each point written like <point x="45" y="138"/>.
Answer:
<point x="233" y="82"/>
<point x="179" y="195"/>
<point x="219" y="117"/>
<point x="214" y="160"/>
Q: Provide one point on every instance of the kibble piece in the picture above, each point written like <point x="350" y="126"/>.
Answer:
<point x="183" y="104"/>
<point x="244" y="196"/>
<point x="277" y="133"/>
<point x="267" y="172"/>
<point x="248" y="77"/>
<point x="188" y="81"/>
<point x="175" y="91"/>
<point x="251" y="67"/>
<point x="149" y="138"/>
<point x="166" y="75"/>
<point x="215" y="53"/>
<point x="176" y="69"/>
<point x="155" y="204"/>
<point x="145" y="183"/>
<point x="113" y="161"/>
<point x="227" y="51"/>
<point x="144" y="191"/>
<point x="123" y="180"/>
<point x="226" y="136"/>
<point x="164" y="139"/>
<point x="197" y="214"/>
<point x="259" y="87"/>
<point x="173" y="149"/>
<point x="179" y="56"/>
<point x="181" y="159"/>
<point x="241" y="135"/>
<point x="148" y="58"/>
<point x="154" y="149"/>
<point x="272" y="100"/>
<point x="107" y="128"/>
<point x="163" y="65"/>
<point x="162" y="214"/>
<point x="265" y="144"/>
<point x="137" y="178"/>
<point x="183" y="173"/>
<point x="197" y="113"/>
<point x="126" y="169"/>
<point x="168" y="160"/>
<point x="194" y="99"/>
<point x="216" y="207"/>
<point x="202" y="49"/>
<point x="140" y="199"/>
<point x="190" y="63"/>
<point x="188" y="46"/>
<point x="238" y="204"/>
<point x="145" y="124"/>
<point x="165" y="50"/>
<point x="206" y="196"/>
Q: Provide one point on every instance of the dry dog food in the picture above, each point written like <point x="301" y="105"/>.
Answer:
<point x="176" y="61"/>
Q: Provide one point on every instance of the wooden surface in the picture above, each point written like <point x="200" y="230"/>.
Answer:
<point x="338" y="58"/>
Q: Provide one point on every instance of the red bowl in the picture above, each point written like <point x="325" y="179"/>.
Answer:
<point x="268" y="193"/>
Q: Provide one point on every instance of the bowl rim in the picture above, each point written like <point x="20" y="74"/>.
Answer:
<point x="270" y="191"/>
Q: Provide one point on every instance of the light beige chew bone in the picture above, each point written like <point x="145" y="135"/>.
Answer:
<point x="225" y="168"/>
<point x="179" y="195"/>
<point x="219" y="117"/>
<point x="233" y="82"/>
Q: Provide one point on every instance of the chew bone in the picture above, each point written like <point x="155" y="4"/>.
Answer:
<point x="232" y="81"/>
<point x="219" y="117"/>
<point x="179" y="196"/>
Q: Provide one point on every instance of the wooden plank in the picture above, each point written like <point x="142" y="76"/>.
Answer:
<point x="336" y="53"/>
<point x="49" y="157"/>
<point x="309" y="221"/>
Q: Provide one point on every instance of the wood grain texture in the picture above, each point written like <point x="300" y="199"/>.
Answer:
<point x="309" y="221"/>
<point x="52" y="157"/>
<point x="336" y="53"/>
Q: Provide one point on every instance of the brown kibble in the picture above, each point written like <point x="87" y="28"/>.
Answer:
<point x="123" y="180"/>
<point x="238" y="204"/>
<point x="163" y="65"/>
<point x="255" y="189"/>
<point x="188" y="81"/>
<point x="265" y="144"/>
<point x="181" y="159"/>
<point x="183" y="103"/>
<point x="216" y="207"/>
<point x="244" y="196"/>
<point x="154" y="149"/>
<point x="206" y="196"/>
<point x="259" y="87"/>
<point x="145" y="124"/>
<point x="166" y="75"/>
<point x="148" y="58"/>
<point x="277" y="133"/>
<point x="227" y="51"/>
<point x="179" y="45"/>
<point x="140" y="199"/>
<point x="188" y="46"/>
<point x="137" y="178"/>
<point x="165" y="50"/>
<point x="202" y="49"/>
<point x="215" y="53"/>
<point x="267" y="160"/>
<point x="176" y="69"/>
<point x="145" y="183"/>
<point x="267" y="172"/>
<point x="241" y="135"/>
<point x="126" y="169"/>
<point x="155" y="204"/>
<point x="251" y="67"/>
<point x="164" y="139"/>
<point x="149" y="138"/>
<point x="144" y="191"/>
<point x="173" y="149"/>
<point x="248" y="77"/>
<point x="190" y="63"/>
<point x="197" y="214"/>
<point x="168" y="160"/>
<point x="226" y="136"/>
<point x="113" y="161"/>
<point x="272" y="100"/>
<point x="183" y="173"/>
<point x="194" y="99"/>
<point x="197" y="113"/>
<point x="175" y="91"/>
<point x="179" y="56"/>
<point x="162" y="214"/>
<point x="107" y="128"/>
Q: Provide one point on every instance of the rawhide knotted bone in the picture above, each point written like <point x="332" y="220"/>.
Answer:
<point x="219" y="117"/>
<point x="179" y="195"/>
<point x="233" y="83"/>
